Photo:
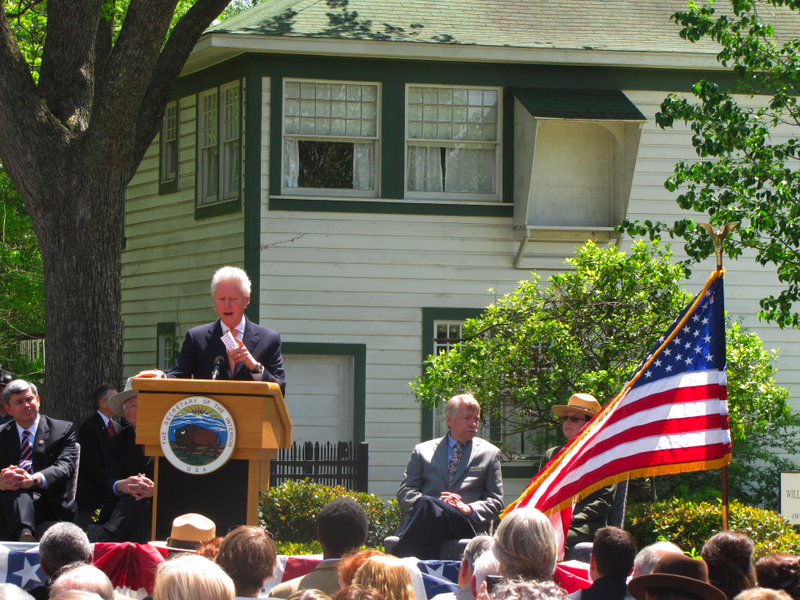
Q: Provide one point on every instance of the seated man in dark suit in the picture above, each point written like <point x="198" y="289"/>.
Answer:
<point x="37" y="458"/>
<point x="92" y="437"/>
<point x="126" y="516"/>
<point x="452" y="488"/>
<point x="257" y="355"/>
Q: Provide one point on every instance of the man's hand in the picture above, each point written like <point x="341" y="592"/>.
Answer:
<point x="13" y="478"/>
<point x="455" y="501"/>
<point x="152" y="374"/>
<point x="242" y="354"/>
<point x="138" y="486"/>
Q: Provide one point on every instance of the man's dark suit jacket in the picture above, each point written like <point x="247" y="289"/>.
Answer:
<point x="92" y="436"/>
<point x="203" y="344"/>
<point x="124" y="458"/>
<point x="54" y="456"/>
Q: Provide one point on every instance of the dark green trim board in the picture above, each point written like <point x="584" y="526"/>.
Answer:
<point x="393" y="133"/>
<point x="251" y="193"/>
<point x="392" y="207"/>
<point x="359" y="354"/>
<point x="429" y="315"/>
<point x="275" y="137"/>
<point x="216" y="209"/>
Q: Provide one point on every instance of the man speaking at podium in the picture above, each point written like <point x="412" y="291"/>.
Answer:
<point x="232" y="347"/>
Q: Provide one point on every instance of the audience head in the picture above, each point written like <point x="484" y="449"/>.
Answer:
<point x="82" y="577"/>
<point x="649" y="556"/>
<point x="476" y="547"/>
<point x="386" y="574"/>
<point x="780" y="571"/>
<point x="729" y="557"/>
<point x="76" y="595"/>
<point x="191" y="577"/>
<point x="525" y="545"/>
<point x="675" y="577"/>
<point x="210" y="549"/>
<point x="760" y="593"/>
<point x="528" y="590"/>
<point x="613" y="553"/>
<point x="311" y="594"/>
<point x="63" y="544"/>
<point x="342" y="526"/>
<point x="21" y="401"/>
<point x="353" y="592"/>
<point x="351" y="563"/>
<point x="248" y="555"/>
<point x="9" y="591"/>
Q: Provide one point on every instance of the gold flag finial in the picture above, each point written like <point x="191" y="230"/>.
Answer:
<point x="718" y="235"/>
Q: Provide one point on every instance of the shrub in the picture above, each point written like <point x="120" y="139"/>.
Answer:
<point x="690" y="525"/>
<point x="290" y="511"/>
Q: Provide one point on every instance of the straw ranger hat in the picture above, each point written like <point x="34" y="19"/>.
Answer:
<point x="677" y="572"/>
<point x="586" y="404"/>
<point x="117" y="400"/>
<point x="189" y="532"/>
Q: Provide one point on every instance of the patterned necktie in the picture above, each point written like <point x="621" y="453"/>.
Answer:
<point x="26" y="454"/>
<point x="231" y="362"/>
<point x="110" y="427"/>
<point x="458" y="449"/>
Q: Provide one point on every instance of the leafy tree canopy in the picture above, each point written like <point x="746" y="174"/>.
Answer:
<point x="748" y="157"/>
<point x="587" y="330"/>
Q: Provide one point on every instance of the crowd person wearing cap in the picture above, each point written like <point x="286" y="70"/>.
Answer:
<point x="5" y="379"/>
<point x="92" y="437"/>
<point x="675" y="577"/>
<point x="61" y="545"/>
<point x="191" y="577"/>
<point x="248" y="555"/>
<point x="590" y="513"/>
<point x="452" y="487"/>
<point x="127" y="513"/>
<point x="780" y="571"/>
<point x="85" y="578"/>
<point x="189" y="533"/>
<point x="650" y="555"/>
<point x="611" y="561"/>
<point x="37" y="457"/>
<point x="525" y="545"/>
<point x="257" y="354"/>
<point x="729" y="556"/>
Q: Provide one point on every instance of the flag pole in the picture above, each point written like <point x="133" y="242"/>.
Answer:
<point x="718" y="235"/>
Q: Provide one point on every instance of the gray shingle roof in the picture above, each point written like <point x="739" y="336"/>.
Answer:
<point x="604" y="105"/>
<point x="622" y="25"/>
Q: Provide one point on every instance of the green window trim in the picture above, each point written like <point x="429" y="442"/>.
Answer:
<point x="359" y="354"/>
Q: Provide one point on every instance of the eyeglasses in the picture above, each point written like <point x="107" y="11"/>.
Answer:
<point x="573" y="419"/>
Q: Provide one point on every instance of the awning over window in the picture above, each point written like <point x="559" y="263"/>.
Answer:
<point x="595" y="105"/>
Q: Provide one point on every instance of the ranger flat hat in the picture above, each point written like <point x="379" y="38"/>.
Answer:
<point x="189" y="532"/>
<point x="586" y="404"/>
<point x="117" y="400"/>
<point x="677" y="572"/>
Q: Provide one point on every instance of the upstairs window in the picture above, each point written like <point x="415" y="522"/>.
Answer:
<point x="330" y="135"/>
<point x="168" y="164"/>
<point x="219" y="161"/>
<point x="453" y="142"/>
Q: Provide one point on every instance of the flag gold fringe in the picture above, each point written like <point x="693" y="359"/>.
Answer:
<point x="648" y="471"/>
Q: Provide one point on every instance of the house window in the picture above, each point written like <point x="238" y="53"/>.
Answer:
<point x="219" y="172"/>
<point x="453" y="142"/>
<point x="448" y="334"/>
<point x="167" y="346"/>
<point x="169" y="147"/>
<point x="330" y="134"/>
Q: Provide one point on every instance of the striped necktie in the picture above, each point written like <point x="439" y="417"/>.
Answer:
<point x="26" y="454"/>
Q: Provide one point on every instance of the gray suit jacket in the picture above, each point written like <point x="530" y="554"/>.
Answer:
<point x="478" y="480"/>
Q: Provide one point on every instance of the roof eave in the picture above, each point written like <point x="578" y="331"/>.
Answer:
<point x="214" y="48"/>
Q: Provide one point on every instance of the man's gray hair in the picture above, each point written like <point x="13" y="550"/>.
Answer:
<point x="487" y="564"/>
<point x="523" y="589"/>
<point x="456" y="401"/>
<point x="86" y="578"/>
<point x="63" y="544"/>
<point x="648" y="556"/>
<point x="18" y="386"/>
<point x="231" y="274"/>
<point x="9" y="591"/>
<point x="475" y="549"/>
<point x="525" y="545"/>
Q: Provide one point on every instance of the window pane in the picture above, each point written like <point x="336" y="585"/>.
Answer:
<point x="308" y="91"/>
<point x="209" y="149"/>
<point x="231" y="167"/>
<point x="325" y="165"/>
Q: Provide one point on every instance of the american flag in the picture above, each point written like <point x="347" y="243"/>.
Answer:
<point x="671" y="417"/>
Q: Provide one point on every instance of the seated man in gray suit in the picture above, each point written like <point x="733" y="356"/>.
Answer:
<point x="452" y="488"/>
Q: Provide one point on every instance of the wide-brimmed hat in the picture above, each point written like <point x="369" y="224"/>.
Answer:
<point x="189" y="532"/>
<point x="5" y="378"/>
<point x="117" y="400"/>
<point x="586" y="404"/>
<point x="677" y="572"/>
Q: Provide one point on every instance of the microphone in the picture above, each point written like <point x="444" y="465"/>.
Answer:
<point x="217" y="365"/>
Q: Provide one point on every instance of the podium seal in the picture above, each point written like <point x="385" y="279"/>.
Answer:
<point x="197" y="435"/>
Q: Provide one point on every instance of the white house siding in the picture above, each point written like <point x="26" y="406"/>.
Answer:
<point x="169" y="256"/>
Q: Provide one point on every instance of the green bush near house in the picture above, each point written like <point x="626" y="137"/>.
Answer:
<point x="290" y="512"/>
<point x="690" y="524"/>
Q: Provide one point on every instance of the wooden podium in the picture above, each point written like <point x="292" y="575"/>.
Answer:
<point x="229" y="494"/>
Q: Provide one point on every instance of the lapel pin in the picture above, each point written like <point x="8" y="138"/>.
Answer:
<point x="41" y="442"/>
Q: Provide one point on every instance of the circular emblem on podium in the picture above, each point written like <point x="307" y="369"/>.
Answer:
<point x="198" y="435"/>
